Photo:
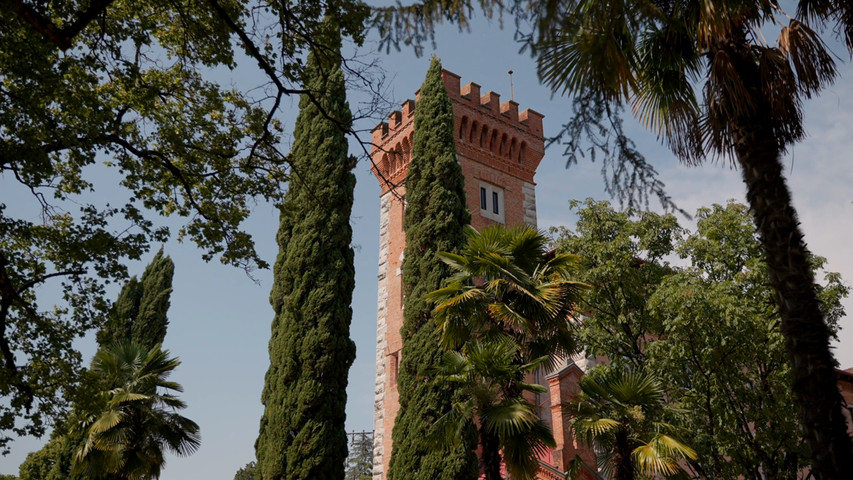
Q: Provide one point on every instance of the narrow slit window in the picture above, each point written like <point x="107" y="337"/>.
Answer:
<point x="483" y="198"/>
<point x="495" y="208"/>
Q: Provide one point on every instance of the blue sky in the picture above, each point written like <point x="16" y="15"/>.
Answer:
<point x="220" y="319"/>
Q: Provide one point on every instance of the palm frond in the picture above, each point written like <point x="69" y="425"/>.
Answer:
<point x="808" y="55"/>
<point x="661" y="456"/>
<point x="594" y="49"/>
<point x="106" y="421"/>
<point x="780" y="89"/>
<point x="819" y="11"/>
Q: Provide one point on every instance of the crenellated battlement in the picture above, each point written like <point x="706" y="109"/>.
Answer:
<point x="527" y="121"/>
<point x="485" y="129"/>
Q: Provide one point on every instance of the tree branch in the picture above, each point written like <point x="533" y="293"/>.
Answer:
<point x="61" y="37"/>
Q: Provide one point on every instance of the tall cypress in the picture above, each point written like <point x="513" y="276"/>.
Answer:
<point x="434" y="221"/>
<point x="140" y="315"/>
<point x="140" y="311"/>
<point x="302" y="434"/>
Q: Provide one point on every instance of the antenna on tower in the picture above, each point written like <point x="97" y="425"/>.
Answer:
<point x="511" y="92"/>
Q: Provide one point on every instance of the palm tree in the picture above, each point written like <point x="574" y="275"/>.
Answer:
<point x="653" y="54"/>
<point x="127" y="438"/>
<point x="507" y="310"/>
<point x="617" y="413"/>
<point x="507" y="283"/>
<point x="491" y="389"/>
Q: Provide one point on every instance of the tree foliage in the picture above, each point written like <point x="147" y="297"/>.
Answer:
<point x="138" y="420"/>
<point x="302" y="433"/>
<point x="507" y="284"/>
<point x="492" y="399"/>
<point x="705" y="80"/>
<point x="140" y="313"/>
<point x="248" y="472"/>
<point x="624" y="258"/>
<point x="710" y="330"/>
<point x="434" y="220"/>
<point x="360" y="458"/>
<point x="722" y="329"/>
<point x="508" y="310"/>
<point x="42" y="464"/>
<point x="116" y="97"/>
<point x="621" y="413"/>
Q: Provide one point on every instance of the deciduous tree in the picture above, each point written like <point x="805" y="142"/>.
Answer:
<point x="116" y="97"/>
<point x="709" y="330"/>
<point x="722" y="352"/>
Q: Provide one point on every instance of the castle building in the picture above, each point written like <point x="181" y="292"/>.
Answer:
<point x="499" y="149"/>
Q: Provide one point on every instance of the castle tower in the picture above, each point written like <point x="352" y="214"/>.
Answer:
<point x="499" y="149"/>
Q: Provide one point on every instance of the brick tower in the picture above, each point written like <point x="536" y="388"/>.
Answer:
<point x="499" y="150"/>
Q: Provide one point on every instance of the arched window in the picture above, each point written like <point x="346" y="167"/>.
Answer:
<point x="475" y="130"/>
<point x="493" y="143"/>
<point x="406" y="151"/>
<point x="385" y="165"/>
<point x="484" y="137"/>
<point x="463" y="128"/>
<point x="513" y="148"/>
<point x="503" y="149"/>
<point x="397" y="158"/>
<point x="522" y="152"/>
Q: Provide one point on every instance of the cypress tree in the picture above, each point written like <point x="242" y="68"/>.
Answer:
<point x="302" y="433"/>
<point x="140" y="311"/>
<point x="139" y="314"/>
<point x="434" y="221"/>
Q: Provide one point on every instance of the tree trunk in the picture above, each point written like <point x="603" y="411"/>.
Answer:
<point x="622" y="455"/>
<point x="803" y="325"/>
<point x="490" y="456"/>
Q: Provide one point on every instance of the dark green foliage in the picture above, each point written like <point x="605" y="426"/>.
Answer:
<point x="621" y="413"/>
<point x="114" y="101"/>
<point x="41" y="464"/>
<point x="302" y="432"/>
<point x="508" y="309"/>
<point x="137" y="421"/>
<point x="248" y="472"/>
<point x="493" y="398"/>
<point x="434" y="222"/>
<point x="53" y="461"/>
<point x="140" y="312"/>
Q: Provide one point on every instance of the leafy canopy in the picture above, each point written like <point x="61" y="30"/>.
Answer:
<point x="706" y="325"/>
<point x="122" y="100"/>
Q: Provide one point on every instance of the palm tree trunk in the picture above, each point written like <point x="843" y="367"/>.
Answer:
<point x="803" y="325"/>
<point x="490" y="457"/>
<point x="622" y="455"/>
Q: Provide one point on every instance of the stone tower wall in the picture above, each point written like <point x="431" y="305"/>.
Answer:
<point x="499" y="149"/>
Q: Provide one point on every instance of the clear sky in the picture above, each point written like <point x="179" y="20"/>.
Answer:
<point x="220" y="319"/>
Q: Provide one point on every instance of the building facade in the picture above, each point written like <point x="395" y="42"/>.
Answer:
<point x="499" y="149"/>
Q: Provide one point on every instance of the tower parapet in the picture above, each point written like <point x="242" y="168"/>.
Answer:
<point x="486" y="130"/>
